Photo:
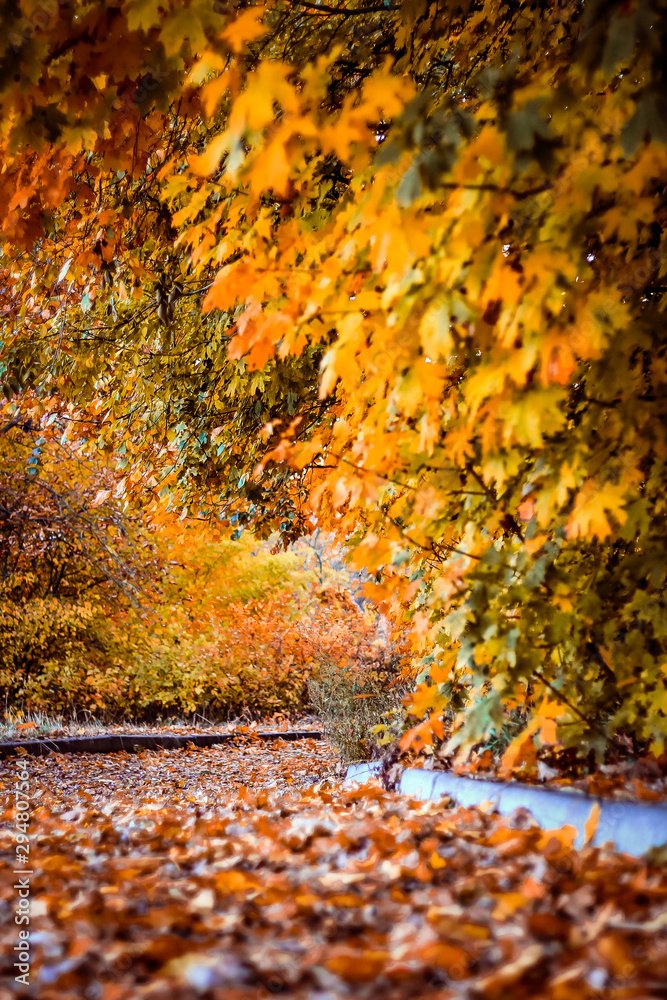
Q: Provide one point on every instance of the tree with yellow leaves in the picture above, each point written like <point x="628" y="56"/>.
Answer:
<point x="413" y="261"/>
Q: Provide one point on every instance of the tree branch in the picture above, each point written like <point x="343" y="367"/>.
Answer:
<point x="322" y="8"/>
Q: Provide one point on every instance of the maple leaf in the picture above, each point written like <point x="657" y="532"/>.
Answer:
<point x="435" y="333"/>
<point x="143" y="14"/>
<point x="181" y="24"/>
<point x="547" y="714"/>
<point x="209" y="160"/>
<point x="246" y="27"/>
<point x="521" y="755"/>
<point x="273" y="171"/>
<point x="593" y="503"/>
<point x="423" y="700"/>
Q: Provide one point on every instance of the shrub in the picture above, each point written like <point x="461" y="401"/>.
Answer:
<point x="234" y="629"/>
<point x="71" y="560"/>
<point x="353" y="693"/>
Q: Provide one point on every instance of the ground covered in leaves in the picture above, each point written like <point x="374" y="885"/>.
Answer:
<point x="246" y="871"/>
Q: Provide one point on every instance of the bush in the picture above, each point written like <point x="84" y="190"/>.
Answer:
<point x="235" y="629"/>
<point x="352" y="696"/>
<point x="72" y="561"/>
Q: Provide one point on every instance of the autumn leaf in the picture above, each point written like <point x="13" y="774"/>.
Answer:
<point x="593" y="506"/>
<point x="591" y="824"/>
<point x="246" y="27"/>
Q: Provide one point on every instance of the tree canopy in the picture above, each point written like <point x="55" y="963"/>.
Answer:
<point x="392" y="269"/>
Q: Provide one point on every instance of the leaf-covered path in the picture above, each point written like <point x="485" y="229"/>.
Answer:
<point x="247" y="871"/>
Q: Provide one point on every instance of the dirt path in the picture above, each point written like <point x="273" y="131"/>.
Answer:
<point x="235" y="873"/>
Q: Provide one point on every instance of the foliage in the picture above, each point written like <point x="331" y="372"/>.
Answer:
<point x="241" y="630"/>
<point x="234" y="629"/>
<point x="351" y="695"/>
<point x="70" y="557"/>
<point x="396" y="271"/>
<point x="197" y="873"/>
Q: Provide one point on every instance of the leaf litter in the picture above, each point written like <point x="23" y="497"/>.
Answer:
<point x="246" y="870"/>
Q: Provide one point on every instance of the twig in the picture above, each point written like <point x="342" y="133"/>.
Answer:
<point x="322" y="8"/>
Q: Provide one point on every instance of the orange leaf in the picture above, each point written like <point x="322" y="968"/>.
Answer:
<point x="591" y="824"/>
<point x="422" y="735"/>
<point x="521" y="754"/>
<point x="526" y="509"/>
<point x="356" y="966"/>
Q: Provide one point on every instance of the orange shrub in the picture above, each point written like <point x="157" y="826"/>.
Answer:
<point x="235" y="629"/>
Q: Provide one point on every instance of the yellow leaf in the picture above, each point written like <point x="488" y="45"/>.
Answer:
<point x="267" y="86"/>
<point x="234" y="883"/>
<point x="486" y="147"/>
<point x="434" y="333"/>
<point x="547" y="714"/>
<point x="507" y="903"/>
<point x="209" y="63"/>
<point x="144" y="14"/>
<point x="350" y="128"/>
<point x="504" y="284"/>
<point x="422" y="735"/>
<point x="244" y="28"/>
<point x="272" y="169"/>
<point x="385" y="93"/>
<point x="212" y="93"/>
<point x="423" y="700"/>
<point x="596" y="318"/>
<point x="592" y="505"/>
<point x="181" y="24"/>
<point x="100" y="497"/>
<point x="489" y="145"/>
<point x="521" y="754"/>
<point x="441" y="672"/>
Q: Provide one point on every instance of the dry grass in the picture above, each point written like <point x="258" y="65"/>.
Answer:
<point x="351" y="700"/>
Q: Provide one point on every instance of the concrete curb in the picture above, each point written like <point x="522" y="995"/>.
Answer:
<point x="133" y="742"/>
<point x="632" y="827"/>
